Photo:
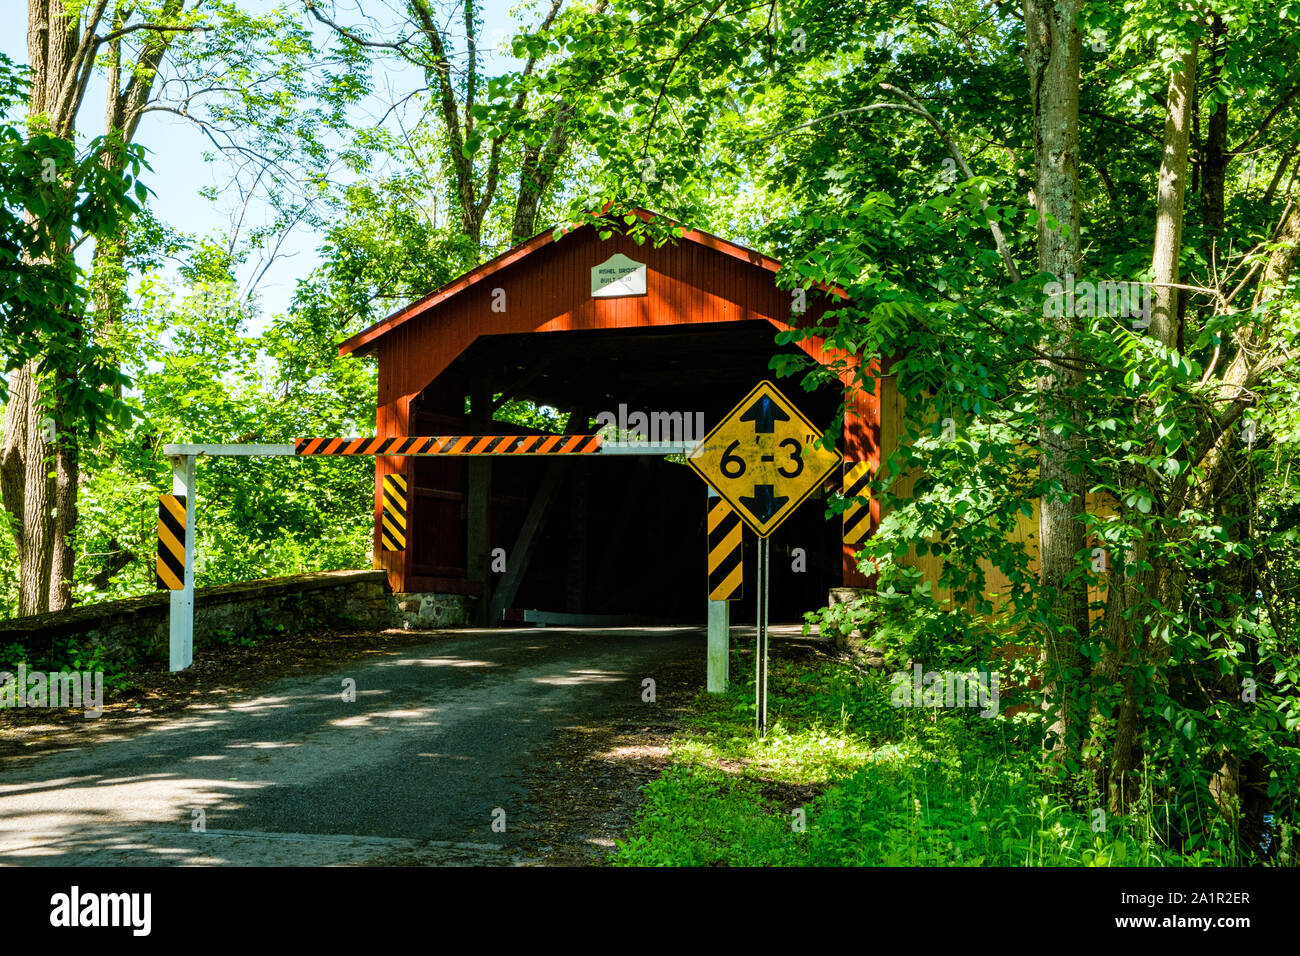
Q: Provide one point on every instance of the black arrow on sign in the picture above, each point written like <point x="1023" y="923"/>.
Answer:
<point x="765" y="502"/>
<point x="764" y="413"/>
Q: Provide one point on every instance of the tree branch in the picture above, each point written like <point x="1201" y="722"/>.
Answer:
<point x="1264" y="124"/>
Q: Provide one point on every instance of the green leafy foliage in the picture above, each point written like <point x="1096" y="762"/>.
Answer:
<point x="845" y="779"/>
<point x="50" y="190"/>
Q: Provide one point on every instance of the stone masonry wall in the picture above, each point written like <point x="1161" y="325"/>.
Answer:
<point x="134" y="631"/>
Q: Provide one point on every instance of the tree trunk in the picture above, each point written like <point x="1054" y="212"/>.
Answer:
<point x="63" y="523"/>
<point x="44" y="512"/>
<point x="27" y="481"/>
<point x="1225" y="465"/>
<point x="1170" y="191"/>
<point x="1052" y="60"/>
<point x="1214" y="160"/>
<point x="537" y="164"/>
<point x="1161" y="584"/>
<point x="536" y="174"/>
<point x="28" y="491"/>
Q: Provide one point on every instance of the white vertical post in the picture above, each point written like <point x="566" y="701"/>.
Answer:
<point x="181" y="644"/>
<point x="719" y="632"/>
<point x="719" y="636"/>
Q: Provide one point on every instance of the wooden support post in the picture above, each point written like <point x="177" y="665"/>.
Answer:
<point x="181" y="637"/>
<point x="575" y="590"/>
<point x="615" y="534"/>
<point x="478" y="496"/>
<point x="519" y="557"/>
<point x="716" y="672"/>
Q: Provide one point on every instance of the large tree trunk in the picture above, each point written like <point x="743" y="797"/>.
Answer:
<point x="1161" y="583"/>
<point x="63" y="522"/>
<point x="27" y="470"/>
<point x="28" y="491"/>
<point x="1214" y="159"/>
<point x="1170" y="192"/>
<point x="1052" y="60"/>
<point x="536" y="173"/>
<point x="122" y="112"/>
<point x="45" y="513"/>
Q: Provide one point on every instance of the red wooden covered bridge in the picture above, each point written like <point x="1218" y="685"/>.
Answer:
<point x="590" y="326"/>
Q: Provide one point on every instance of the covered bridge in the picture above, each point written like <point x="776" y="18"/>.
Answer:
<point x="594" y="326"/>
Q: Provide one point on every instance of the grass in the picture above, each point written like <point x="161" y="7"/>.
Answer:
<point x="843" y="778"/>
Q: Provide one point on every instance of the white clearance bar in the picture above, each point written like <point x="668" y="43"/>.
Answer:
<point x="184" y="457"/>
<point x="456" y="445"/>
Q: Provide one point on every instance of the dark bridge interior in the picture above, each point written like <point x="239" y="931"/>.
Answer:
<point x="604" y="535"/>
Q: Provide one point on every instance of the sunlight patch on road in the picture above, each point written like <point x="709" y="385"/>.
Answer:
<point x="54" y="784"/>
<point x="263" y="703"/>
<point x="440" y="662"/>
<point x="580" y="677"/>
<point x="365" y="720"/>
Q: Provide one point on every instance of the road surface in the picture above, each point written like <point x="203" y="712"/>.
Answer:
<point x="436" y="747"/>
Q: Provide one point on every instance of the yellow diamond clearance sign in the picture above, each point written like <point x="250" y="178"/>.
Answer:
<point x="762" y="459"/>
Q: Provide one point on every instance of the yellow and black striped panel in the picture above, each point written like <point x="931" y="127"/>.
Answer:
<point x="393" y="533"/>
<point x="857" y="518"/>
<point x="726" y="535"/>
<point x="452" y="445"/>
<point x="171" y="543"/>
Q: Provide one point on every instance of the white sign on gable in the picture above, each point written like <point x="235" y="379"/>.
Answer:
<point x="617" y="276"/>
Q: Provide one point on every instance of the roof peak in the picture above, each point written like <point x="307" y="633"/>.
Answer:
<point x="363" y="342"/>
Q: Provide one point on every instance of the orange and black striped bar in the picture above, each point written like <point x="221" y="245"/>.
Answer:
<point x="452" y="445"/>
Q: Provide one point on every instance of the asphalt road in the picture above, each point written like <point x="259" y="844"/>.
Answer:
<point x="438" y="738"/>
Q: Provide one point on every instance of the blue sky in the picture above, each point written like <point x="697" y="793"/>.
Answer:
<point x="176" y="145"/>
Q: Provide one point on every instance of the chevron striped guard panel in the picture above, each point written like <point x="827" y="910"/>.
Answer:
<point x="726" y="537"/>
<point x="393" y="533"/>
<point x="857" y="518"/>
<point x="171" y="543"/>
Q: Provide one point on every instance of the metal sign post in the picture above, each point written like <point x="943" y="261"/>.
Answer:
<point x="765" y="459"/>
<point x="760" y="644"/>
